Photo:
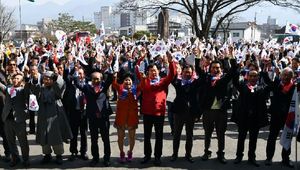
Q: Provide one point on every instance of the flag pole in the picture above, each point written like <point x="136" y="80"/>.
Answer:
<point x="20" y="17"/>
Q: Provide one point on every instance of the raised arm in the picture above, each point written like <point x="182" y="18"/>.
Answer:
<point x="115" y="84"/>
<point x="142" y="57"/>
<point x="172" y="71"/>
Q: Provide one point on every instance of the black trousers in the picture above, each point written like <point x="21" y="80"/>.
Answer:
<point x="211" y="119"/>
<point x="170" y="115"/>
<point x="158" y="123"/>
<point x="78" y="121"/>
<point x="274" y="132"/>
<point x="31" y="121"/>
<point x="4" y="142"/>
<point x="186" y="119"/>
<point x="102" y="125"/>
<point x="253" y="134"/>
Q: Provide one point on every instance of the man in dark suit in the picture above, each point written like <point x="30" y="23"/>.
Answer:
<point x="14" y="117"/>
<point x="214" y="104"/>
<point x="185" y="110"/>
<point x="98" y="110"/>
<point x="251" y="113"/>
<point x="74" y="104"/>
<point x="282" y="89"/>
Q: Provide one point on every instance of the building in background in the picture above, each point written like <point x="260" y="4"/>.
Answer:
<point x="27" y="31"/>
<point x="268" y="29"/>
<point x="43" y="25"/>
<point x="97" y="19"/>
<point x="247" y="31"/>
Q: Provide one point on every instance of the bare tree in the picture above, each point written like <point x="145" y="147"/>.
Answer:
<point x="202" y="12"/>
<point x="7" y="21"/>
<point x="224" y="26"/>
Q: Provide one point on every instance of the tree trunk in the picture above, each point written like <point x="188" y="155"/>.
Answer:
<point x="163" y="24"/>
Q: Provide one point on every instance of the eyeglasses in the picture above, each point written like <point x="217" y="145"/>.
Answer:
<point x="12" y="64"/>
<point x="95" y="78"/>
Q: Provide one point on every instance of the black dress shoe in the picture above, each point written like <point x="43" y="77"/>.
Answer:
<point x="189" y="158"/>
<point x="6" y="158"/>
<point x="268" y="162"/>
<point x="157" y="162"/>
<point x="59" y="160"/>
<point x="94" y="162"/>
<point x="106" y="163"/>
<point x="84" y="156"/>
<point x="14" y="161"/>
<point x="174" y="158"/>
<point x="238" y="160"/>
<point x="72" y="157"/>
<point x="222" y="159"/>
<point x="253" y="162"/>
<point x="145" y="160"/>
<point x="46" y="159"/>
<point x="288" y="163"/>
<point x="26" y="163"/>
<point x="206" y="156"/>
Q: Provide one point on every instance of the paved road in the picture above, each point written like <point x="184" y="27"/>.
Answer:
<point x="230" y="148"/>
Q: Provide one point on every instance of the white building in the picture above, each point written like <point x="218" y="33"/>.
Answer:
<point x="247" y="31"/>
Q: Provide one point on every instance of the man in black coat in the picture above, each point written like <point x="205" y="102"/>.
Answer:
<point x="214" y="104"/>
<point x="185" y="110"/>
<point x="98" y="110"/>
<point x="282" y="89"/>
<point x="74" y="104"/>
<point x="251" y="113"/>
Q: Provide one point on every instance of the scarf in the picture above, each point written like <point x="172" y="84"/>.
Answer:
<point x="214" y="80"/>
<point x="186" y="82"/>
<point x="125" y="92"/>
<point x="251" y="87"/>
<point x="286" y="87"/>
<point x="99" y="87"/>
<point x="155" y="81"/>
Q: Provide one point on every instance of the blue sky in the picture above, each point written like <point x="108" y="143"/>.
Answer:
<point x="83" y="9"/>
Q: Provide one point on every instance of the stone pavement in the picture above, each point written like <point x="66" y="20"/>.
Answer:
<point x="181" y="163"/>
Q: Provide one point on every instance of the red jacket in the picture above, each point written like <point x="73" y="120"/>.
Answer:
<point x="154" y="96"/>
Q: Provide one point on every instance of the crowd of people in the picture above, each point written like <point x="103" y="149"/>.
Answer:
<point x="190" y="81"/>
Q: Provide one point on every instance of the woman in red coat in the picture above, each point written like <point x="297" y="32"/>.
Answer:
<point x="127" y="113"/>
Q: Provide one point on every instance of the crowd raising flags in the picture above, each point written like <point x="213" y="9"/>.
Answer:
<point x="200" y="67"/>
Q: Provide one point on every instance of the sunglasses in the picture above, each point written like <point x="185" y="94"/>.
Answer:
<point x="12" y="64"/>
